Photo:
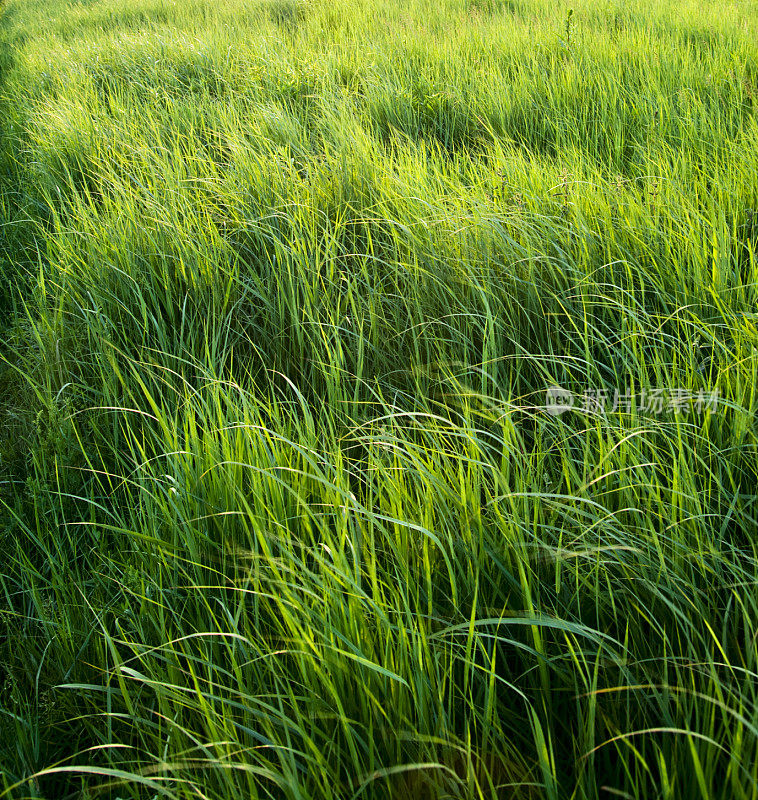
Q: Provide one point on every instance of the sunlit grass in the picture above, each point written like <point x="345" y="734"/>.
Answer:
<point x="282" y="511"/>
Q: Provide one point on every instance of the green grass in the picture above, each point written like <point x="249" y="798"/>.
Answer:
<point x="282" y="513"/>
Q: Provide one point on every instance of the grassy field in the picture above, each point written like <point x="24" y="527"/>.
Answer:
<point x="283" y="510"/>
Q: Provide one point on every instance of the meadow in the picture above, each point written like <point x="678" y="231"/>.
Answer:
<point x="283" y="510"/>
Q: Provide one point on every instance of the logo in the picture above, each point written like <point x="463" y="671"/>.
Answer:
<point x="558" y="401"/>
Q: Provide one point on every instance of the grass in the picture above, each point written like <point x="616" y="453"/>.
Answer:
<point x="282" y="511"/>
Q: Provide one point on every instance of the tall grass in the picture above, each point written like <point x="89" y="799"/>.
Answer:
<point x="282" y="511"/>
